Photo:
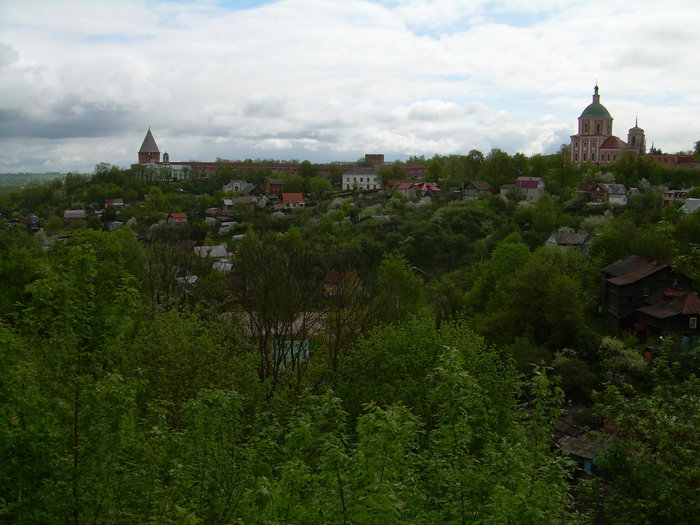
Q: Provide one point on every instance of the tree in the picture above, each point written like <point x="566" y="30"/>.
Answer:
<point x="278" y="289"/>
<point x="76" y="323"/>
<point x="435" y="171"/>
<point x="307" y="170"/>
<point x="399" y="291"/>
<point x="652" y="475"/>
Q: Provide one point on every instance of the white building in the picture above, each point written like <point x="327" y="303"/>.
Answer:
<point x="361" y="179"/>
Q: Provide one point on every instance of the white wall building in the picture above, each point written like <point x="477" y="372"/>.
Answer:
<point x="361" y="179"/>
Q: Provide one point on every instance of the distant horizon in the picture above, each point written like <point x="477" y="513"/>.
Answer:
<point x="328" y="81"/>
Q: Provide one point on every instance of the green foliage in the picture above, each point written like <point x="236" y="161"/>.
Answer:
<point x="652" y="476"/>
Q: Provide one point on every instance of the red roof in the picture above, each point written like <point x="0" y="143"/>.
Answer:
<point x="428" y="186"/>
<point x="613" y="143"/>
<point x="292" y="197"/>
<point x="527" y="182"/>
<point x="672" y="302"/>
<point x="333" y="277"/>
<point x="178" y="215"/>
<point x="633" y="269"/>
<point x="406" y="185"/>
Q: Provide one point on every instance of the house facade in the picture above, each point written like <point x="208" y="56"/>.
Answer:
<point x="177" y="219"/>
<point x="292" y="200"/>
<point x="476" y="188"/>
<point x="361" y="179"/>
<point x="564" y="240"/>
<point x="628" y="285"/>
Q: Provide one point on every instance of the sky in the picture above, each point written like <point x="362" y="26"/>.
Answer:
<point x="81" y="82"/>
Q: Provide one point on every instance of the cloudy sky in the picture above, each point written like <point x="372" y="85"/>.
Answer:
<point x="324" y="80"/>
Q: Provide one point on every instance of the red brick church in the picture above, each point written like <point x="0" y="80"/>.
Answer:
<point x="595" y="143"/>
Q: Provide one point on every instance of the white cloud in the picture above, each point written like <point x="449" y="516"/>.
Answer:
<point x="331" y="80"/>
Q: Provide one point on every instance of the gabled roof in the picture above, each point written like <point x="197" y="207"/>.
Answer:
<point x="428" y="186"/>
<point x="614" y="188"/>
<point x="293" y="197"/>
<point x="586" y="186"/>
<point x="360" y="171"/>
<point x="480" y="185"/>
<point x="218" y="250"/>
<point x="613" y="142"/>
<point x="632" y="269"/>
<point x="569" y="238"/>
<point x="178" y="215"/>
<point x="149" y="144"/>
<point x="669" y="302"/>
<point x="527" y="182"/>
<point x="691" y="205"/>
<point x="74" y="214"/>
<point x="405" y="186"/>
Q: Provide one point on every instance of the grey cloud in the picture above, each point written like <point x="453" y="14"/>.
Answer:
<point x="264" y="107"/>
<point x="69" y="118"/>
<point x="8" y="55"/>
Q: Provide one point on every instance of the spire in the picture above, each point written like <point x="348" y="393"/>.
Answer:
<point x="149" y="143"/>
<point x="149" y="151"/>
<point x="596" y="96"/>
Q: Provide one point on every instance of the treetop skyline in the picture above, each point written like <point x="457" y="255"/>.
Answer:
<point x="325" y="81"/>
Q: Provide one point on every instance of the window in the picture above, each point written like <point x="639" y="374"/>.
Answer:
<point x="597" y="128"/>
<point x="584" y="156"/>
<point x="585" y="128"/>
<point x="693" y="323"/>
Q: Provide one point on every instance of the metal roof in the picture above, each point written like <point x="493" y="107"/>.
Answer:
<point x="149" y="144"/>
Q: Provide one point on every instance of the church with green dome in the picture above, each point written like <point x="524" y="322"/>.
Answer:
<point x="595" y="143"/>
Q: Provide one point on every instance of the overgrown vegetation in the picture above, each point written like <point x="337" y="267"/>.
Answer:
<point x="423" y="389"/>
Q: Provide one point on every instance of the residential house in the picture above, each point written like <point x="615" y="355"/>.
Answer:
<point x="477" y="188"/>
<point x="428" y="189"/>
<point x="177" y="219"/>
<point x="217" y="251"/>
<point x="234" y="185"/>
<point x="672" y="196"/>
<point x="74" y="217"/>
<point x="531" y="188"/>
<point x="604" y="192"/>
<point x="422" y="189"/>
<point x="361" y="179"/>
<point x="117" y="203"/>
<point x="584" y="449"/>
<point x="564" y="240"/>
<point x="274" y="186"/>
<point x="292" y="200"/>
<point x="628" y="284"/>
<point x="387" y="223"/>
<point x="406" y="189"/>
<point x="334" y="281"/>
<point x="691" y="205"/>
<point x="671" y="310"/>
<point x="31" y="222"/>
<point x="243" y="187"/>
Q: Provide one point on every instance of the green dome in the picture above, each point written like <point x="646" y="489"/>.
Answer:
<point x="595" y="110"/>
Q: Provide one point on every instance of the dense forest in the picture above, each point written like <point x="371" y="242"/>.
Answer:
<point x="140" y="383"/>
